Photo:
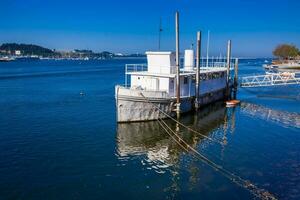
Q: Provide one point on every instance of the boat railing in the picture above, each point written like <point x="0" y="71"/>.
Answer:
<point x="155" y="92"/>
<point x="135" y="90"/>
<point x="135" y="68"/>
<point x="211" y="62"/>
<point x="216" y="62"/>
<point x="131" y="68"/>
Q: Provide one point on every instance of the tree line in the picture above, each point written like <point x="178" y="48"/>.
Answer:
<point x="286" y="51"/>
<point x="31" y="49"/>
<point x="26" y="49"/>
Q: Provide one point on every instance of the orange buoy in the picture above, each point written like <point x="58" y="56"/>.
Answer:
<point x="232" y="103"/>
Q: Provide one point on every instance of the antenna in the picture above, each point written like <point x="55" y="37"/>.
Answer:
<point x="207" y="48"/>
<point x="159" y="34"/>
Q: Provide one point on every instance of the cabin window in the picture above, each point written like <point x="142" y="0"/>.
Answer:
<point x="185" y="80"/>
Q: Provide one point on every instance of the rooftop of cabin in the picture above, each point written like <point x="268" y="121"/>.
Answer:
<point x="159" y="52"/>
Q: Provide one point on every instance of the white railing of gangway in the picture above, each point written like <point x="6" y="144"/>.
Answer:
<point x="285" y="78"/>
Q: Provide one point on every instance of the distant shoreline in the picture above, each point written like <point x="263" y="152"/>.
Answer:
<point x="14" y="50"/>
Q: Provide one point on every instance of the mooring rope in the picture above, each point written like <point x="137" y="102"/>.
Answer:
<point x="181" y="124"/>
<point x="253" y="189"/>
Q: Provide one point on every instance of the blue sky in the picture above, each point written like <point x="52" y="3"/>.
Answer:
<point x="254" y="26"/>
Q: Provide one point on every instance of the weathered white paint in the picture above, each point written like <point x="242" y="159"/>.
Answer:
<point x="150" y="83"/>
<point x="158" y="85"/>
<point x="187" y="83"/>
<point x="161" y="62"/>
<point x="131" y="106"/>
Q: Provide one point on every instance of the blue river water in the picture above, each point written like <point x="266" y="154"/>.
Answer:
<point x="59" y="139"/>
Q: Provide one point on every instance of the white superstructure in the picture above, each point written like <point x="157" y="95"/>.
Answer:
<point x="160" y="75"/>
<point x="156" y="81"/>
<point x="189" y="60"/>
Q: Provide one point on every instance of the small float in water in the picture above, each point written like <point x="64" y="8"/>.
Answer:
<point x="232" y="103"/>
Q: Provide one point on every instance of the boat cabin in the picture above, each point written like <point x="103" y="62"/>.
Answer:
<point x="160" y="74"/>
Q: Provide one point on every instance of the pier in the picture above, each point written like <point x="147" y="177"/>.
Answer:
<point x="274" y="79"/>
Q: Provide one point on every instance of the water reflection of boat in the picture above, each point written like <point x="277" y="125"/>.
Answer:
<point x="150" y="140"/>
<point x="282" y="118"/>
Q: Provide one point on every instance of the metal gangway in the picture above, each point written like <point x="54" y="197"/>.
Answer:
<point x="271" y="79"/>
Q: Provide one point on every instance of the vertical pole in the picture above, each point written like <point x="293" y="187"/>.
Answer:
<point x="126" y="75"/>
<point x="207" y="48"/>
<point x="177" y="65"/>
<point x="159" y="36"/>
<point x="228" y="68"/>
<point x="236" y="67"/>
<point x="198" y="70"/>
<point x="190" y="83"/>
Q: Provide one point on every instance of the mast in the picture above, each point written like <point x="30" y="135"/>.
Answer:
<point x="177" y="65"/>
<point x="207" y="48"/>
<point x="228" y="67"/>
<point x="235" y="83"/>
<point x="198" y="54"/>
<point x="159" y="34"/>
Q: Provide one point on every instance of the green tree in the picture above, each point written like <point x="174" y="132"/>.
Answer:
<point x="286" y="51"/>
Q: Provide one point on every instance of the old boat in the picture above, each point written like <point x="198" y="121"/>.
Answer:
<point x="161" y="88"/>
<point x="153" y="85"/>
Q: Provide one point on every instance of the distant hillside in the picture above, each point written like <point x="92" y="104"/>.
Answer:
<point x="26" y="49"/>
<point x="14" y="49"/>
